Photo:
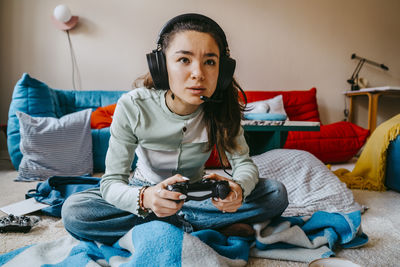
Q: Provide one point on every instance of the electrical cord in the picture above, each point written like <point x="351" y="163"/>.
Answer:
<point x="74" y="64"/>
<point x="223" y="167"/>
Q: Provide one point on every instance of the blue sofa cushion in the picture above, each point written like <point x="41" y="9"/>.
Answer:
<point x="392" y="180"/>
<point x="35" y="98"/>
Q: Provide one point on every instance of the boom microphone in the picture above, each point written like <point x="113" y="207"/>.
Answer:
<point x="210" y="100"/>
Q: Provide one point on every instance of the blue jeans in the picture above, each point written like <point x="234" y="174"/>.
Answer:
<point x="87" y="216"/>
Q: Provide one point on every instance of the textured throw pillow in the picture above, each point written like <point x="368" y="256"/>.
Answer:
<point x="52" y="146"/>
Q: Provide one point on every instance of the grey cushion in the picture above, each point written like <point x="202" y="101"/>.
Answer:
<point x="52" y="146"/>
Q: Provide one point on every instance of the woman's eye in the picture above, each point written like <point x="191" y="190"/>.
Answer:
<point x="184" y="60"/>
<point x="210" y="62"/>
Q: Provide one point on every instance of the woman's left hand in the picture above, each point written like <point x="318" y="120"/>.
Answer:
<point x="233" y="201"/>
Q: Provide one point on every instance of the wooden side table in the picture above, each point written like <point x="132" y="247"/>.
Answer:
<point x="262" y="138"/>
<point x="373" y="97"/>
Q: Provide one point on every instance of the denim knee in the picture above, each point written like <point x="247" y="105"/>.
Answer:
<point x="281" y="197"/>
<point x="271" y="194"/>
<point x="70" y="212"/>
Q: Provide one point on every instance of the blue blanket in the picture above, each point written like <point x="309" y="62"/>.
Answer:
<point x="308" y="238"/>
<point x="160" y="244"/>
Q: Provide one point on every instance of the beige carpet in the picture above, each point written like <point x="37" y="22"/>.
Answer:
<point x="381" y="222"/>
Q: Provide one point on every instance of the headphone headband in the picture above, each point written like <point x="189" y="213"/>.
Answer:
<point x="192" y="17"/>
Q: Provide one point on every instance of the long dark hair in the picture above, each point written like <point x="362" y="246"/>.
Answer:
<point x="222" y="119"/>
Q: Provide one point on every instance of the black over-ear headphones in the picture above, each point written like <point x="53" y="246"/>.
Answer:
<point x="157" y="63"/>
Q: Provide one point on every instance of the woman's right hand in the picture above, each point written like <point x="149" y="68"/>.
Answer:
<point x="160" y="200"/>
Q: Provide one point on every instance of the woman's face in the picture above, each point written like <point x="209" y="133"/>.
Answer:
<point x="192" y="60"/>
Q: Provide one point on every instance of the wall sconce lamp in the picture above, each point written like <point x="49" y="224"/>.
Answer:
<point x="354" y="80"/>
<point x="63" y="19"/>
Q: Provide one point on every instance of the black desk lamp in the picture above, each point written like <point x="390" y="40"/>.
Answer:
<point x="354" y="78"/>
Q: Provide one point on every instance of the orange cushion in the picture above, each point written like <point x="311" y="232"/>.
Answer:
<point x="102" y="117"/>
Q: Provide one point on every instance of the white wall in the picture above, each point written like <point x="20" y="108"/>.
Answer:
<point x="278" y="44"/>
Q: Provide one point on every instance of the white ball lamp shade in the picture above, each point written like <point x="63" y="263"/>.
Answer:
<point x="63" y="19"/>
<point x="62" y="13"/>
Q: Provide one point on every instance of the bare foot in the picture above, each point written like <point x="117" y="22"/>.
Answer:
<point x="237" y="229"/>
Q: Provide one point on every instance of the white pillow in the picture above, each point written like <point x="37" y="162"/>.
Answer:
<point x="52" y="146"/>
<point x="272" y="105"/>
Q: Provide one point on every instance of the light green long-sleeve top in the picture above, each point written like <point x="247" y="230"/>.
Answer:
<point x="166" y="144"/>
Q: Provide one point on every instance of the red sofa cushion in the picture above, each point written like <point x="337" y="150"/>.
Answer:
<point x="335" y="142"/>
<point x="213" y="160"/>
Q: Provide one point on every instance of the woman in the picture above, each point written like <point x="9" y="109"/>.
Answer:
<point x="188" y="105"/>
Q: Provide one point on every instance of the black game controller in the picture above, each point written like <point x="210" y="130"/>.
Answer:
<point x="12" y="223"/>
<point x="204" y="189"/>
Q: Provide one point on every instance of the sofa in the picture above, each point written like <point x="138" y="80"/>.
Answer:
<point x="336" y="142"/>
<point x="39" y="100"/>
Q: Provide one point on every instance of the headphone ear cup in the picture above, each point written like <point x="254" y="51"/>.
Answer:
<point x="226" y="70"/>
<point x="158" y="69"/>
